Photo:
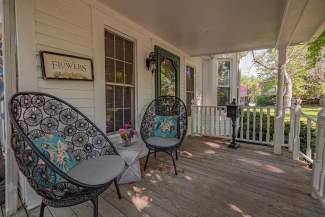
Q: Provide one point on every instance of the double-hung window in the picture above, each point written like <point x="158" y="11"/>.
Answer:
<point x="223" y="82"/>
<point x="190" y="87"/>
<point x="119" y="77"/>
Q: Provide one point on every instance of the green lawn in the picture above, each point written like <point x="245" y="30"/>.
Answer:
<point x="311" y="110"/>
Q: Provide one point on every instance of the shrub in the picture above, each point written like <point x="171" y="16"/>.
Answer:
<point x="265" y="100"/>
<point x="303" y="130"/>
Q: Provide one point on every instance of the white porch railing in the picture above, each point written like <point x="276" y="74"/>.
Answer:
<point x="210" y="121"/>
<point x="254" y="124"/>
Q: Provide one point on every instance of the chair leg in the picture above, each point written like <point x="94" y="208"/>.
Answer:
<point x="171" y="154"/>
<point x="155" y="155"/>
<point x="95" y="203"/>
<point x="41" y="214"/>
<point x="117" y="189"/>
<point x="176" y="154"/>
<point x="145" y="165"/>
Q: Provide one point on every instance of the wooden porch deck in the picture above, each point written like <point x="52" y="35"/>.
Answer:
<point x="214" y="181"/>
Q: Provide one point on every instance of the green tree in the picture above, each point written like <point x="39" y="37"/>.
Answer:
<point x="254" y="87"/>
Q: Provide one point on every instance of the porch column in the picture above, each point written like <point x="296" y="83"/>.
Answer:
<point x="318" y="167"/>
<point x="278" y="125"/>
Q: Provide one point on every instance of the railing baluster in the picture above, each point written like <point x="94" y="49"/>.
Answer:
<point x="254" y="124"/>
<point x="219" y="121"/>
<point x="210" y="117"/>
<point x="214" y="120"/>
<point x="308" y="150"/>
<point x="261" y="125"/>
<point x="205" y="120"/>
<point x="247" y="120"/>
<point x="296" y="140"/>
<point x="242" y="123"/>
<point x="197" y="119"/>
<point x="224" y="123"/>
<point x="292" y="125"/>
<point x="268" y="125"/>
<point x="192" y="120"/>
<point x="201" y="120"/>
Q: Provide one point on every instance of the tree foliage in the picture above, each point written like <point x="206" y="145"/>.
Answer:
<point x="314" y="51"/>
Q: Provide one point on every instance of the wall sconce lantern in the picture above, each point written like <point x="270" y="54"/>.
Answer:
<point x="151" y="62"/>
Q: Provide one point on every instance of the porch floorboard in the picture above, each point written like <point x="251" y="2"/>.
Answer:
<point x="213" y="180"/>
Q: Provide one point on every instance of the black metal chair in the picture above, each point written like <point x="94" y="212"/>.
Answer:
<point x="35" y="115"/>
<point x="164" y="106"/>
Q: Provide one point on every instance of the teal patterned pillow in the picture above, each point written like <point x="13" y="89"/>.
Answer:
<point x="55" y="149"/>
<point x="165" y="126"/>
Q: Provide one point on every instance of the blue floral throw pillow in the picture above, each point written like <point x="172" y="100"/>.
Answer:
<point x="55" y="149"/>
<point x="165" y="126"/>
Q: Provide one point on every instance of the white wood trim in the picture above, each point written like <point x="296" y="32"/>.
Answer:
<point x="10" y="85"/>
<point x="27" y="74"/>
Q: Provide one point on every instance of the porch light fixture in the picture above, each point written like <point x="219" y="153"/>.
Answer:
<point x="151" y="62"/>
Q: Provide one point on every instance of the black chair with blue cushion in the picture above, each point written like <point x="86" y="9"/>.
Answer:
<point x="66" y="158"/>
<point x="164" y="126"/>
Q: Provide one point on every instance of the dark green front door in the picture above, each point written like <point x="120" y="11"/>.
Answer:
<point x="167" y="74"/>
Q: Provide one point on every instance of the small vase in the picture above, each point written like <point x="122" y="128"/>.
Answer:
<point x="127" y="142"/>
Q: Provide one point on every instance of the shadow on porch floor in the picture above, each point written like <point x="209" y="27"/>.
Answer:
<point x="213" y="180"/>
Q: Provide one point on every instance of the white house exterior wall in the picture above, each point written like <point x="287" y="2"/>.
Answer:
<point x="76" y="27"/>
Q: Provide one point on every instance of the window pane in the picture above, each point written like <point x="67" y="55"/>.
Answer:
<point x="168" y="78"/>
<point x="189" y="98"/>
<point x="223" y="96"/>
<point x="118" y="97"/>
<point x="109" y="96"/>
<point x="128" y="73"/>
<point x="119" y="72"/>
<point x="128" y="117"/>
<point x="189" y="78"/>
<point x="127" y="97"/>
<point x="128" y="51"/>
<point x="109" y="70"/>
<point x="119" y="48"/>
<point x="118" y="119"/>
<point x="109" y="44"/>
<point x="223" y="72"/>
<point x="109" y="120"/>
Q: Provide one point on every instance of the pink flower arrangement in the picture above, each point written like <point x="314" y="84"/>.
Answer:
<point x="126" y="134"/>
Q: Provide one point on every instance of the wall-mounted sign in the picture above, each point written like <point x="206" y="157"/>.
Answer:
<point x="66" y="67"/>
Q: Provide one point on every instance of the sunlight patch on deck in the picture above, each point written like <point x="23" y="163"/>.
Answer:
<point x="262" y="153"/>
<point x="212" y="144"/>
<point x="268" y="167"/>
<point x="237" y="209"/>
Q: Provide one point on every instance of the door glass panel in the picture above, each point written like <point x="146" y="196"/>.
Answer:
<point x="167" y="78"/>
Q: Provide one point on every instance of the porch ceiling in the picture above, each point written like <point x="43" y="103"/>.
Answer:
<point x="220" y="26"/>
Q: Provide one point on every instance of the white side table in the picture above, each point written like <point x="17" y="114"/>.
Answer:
<point x="131" y="155"/>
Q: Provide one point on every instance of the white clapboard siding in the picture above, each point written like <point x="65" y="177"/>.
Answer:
<point x="77" y="13"/>
<point x="65" y="27"/>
